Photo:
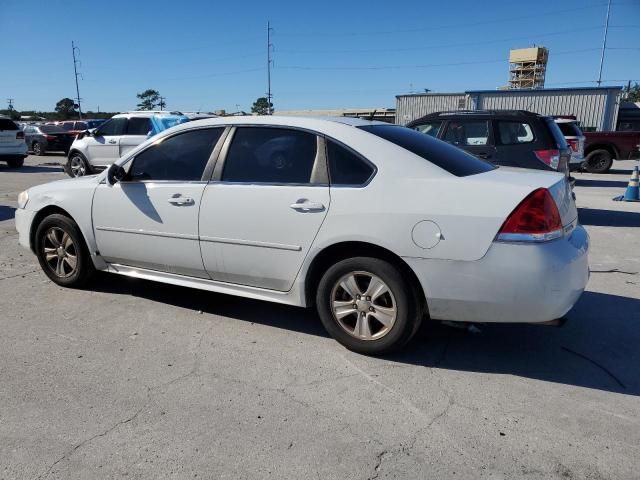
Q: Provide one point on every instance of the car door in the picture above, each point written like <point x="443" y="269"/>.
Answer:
<point x="262" y="210"/>
<point x="515" y="144"/>
<point x="103" y="146"/>
<point x="138" y="129"/>
<point x="29" y="133"/>
<point x="474" y="136"/>
<point x="150" y="219"/>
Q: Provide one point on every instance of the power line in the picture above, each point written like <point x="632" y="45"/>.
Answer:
<point x="371" y="32"/>
<point x="269" y="62"/>
<point x="430" y="65"/>
<point x="604" y="42"/>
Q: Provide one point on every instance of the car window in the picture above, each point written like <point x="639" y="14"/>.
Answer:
<point x="29" y="130"/>
<point x="270" y="155"/>
<point x="345" y="167"/>
<point x="467" y="132"/>
<point x="430" y="128"/>
<point x="67" y="125"/>
<point x="81" y="126"/>
<point x="561" y="142"/>
<point x="6" y="124"/>
<point x="569" y="129"/>
<point x="181" y="157"/>
<point x="138" y="126"/>
<point x="94" y="123"/>
<point x="115" y="126"/>
<point x="52" y="129"/>
<point x="513" y="133"/>
<point x="454" y="160"/>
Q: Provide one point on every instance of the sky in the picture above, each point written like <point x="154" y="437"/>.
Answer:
<point x="210" y="55"/>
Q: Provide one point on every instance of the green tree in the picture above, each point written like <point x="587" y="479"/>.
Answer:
<point x="261" y="106"/>
<point x="149" y="99"/>
<point x="66" y="108"/>
<point x="632" y="93"/>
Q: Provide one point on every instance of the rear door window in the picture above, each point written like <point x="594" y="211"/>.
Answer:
<point x="270" y="155"/>
<point x="569" y="129"/>
<point x="467" y="133"/>
<point x="138" y="126"/>
<point x="514" y="133"/>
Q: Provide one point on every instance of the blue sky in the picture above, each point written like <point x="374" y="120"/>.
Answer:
<point x="210" y="55"/>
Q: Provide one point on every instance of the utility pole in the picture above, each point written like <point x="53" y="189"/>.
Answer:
<point x="162" y="104"/>
<point x="269" y="61"/>
<point x="75" y="70"/>
<point x="604" y="42"/>
<point x="10" y="102"/>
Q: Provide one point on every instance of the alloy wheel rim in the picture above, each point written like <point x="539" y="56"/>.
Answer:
<point x="363" y="305"/>
<point x="60" y="252"/>
<point x="77" y="167"/>
<point x="36" y="148"/>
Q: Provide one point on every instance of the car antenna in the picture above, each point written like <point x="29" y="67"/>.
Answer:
<point x="373" y="114"/>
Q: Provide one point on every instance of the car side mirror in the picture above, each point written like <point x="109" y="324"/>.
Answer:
<point x="115" y="174"/>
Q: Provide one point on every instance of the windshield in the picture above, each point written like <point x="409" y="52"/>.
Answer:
<point x="569" y="129"/>
<point x="449" y="158"/>
<point x="168" y="122"/>
<point x="94" y="123"/>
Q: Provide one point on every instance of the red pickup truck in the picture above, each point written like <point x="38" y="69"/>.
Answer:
<point x="601" y="148"/>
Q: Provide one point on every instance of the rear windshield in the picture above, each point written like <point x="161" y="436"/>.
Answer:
<point x="569" y="129"/>
<point x="52" y="129"/>
<point x="557" y="134"/>
<point x="449" y="158"/>
<point x="6" y="124"/>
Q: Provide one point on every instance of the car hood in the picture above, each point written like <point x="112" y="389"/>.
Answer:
<point x="63" y="185"/>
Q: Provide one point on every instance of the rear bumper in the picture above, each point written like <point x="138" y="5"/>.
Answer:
<point x="13" y="151"/>
<point x="513" y="282"/>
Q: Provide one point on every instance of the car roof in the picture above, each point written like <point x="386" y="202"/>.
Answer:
<point x="290" y="121"/>
<point x="146" y="113"/>
<point x="464" y="113"/>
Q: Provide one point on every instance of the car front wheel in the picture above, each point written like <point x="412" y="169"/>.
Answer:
<point x="62" y="252"/>
<point x="368" y="306"/>
<point x="77" y="166"/>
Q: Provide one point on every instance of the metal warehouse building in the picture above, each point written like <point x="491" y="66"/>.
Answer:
<point x="596" y="108"/>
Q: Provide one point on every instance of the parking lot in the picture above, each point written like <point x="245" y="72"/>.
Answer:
<point x="143" y="380"/>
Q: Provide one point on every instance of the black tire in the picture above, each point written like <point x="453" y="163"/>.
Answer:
<point x="77" y="166"/>
<point x="403" y="297"/>
<point x="37" y="149"/>
<point x="15" y="162"/>
<point x="74" y="277"/>
<point x="598" y="161"/>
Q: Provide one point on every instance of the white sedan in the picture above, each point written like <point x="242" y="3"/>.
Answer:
<point x="377" y="225"/>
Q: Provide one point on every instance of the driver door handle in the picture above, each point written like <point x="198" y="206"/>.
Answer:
<point x="304" y="205"/>
<point x="178" y="200"/>
<point x="112" y="141"/>
<point x="483" y="155"/>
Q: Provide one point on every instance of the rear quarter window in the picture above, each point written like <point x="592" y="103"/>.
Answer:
<point x="6" y="124"/>
<point x="452" y="159"/>
<point x="569" y="129"/>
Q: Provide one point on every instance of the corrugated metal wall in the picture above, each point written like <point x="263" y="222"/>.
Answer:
<point x="591" y="107"/>
<point x="410" y="107"/>
<point x="594" y="108"/>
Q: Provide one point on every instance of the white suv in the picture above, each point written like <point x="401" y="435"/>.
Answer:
<point x="96" y="149"/>
<point x="13" y="148"/>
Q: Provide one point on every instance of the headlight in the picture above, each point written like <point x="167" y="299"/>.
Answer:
<point x="23" y="198"/>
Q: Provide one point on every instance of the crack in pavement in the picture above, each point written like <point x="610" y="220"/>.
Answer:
<point x="379" y="457"/>
<point x="20" y="274"/>
<point x="614" y="270"/>
<point x="593" y="362"/>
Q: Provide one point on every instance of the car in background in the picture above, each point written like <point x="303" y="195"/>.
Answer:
<point x="13" y="148"/>
<point x="575" y="139"/>
<point x="93" y="151"/>
<point x="513" y="138"/>
<point x="47" y="138"/>
<point x="77" y="126"/>
<point x="601" y="148"/>
<point x="375" y="225"/>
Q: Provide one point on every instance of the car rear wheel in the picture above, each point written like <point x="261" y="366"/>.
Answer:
<point x="77" y="166"/>
<point x="37" y="148"/>
<point x="367" y="305"/>
<point x="62" y="253"/>
<point x="598" y="161"/>
<point x="15" y="162"/>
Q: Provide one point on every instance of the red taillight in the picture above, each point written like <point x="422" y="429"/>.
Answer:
<point x="20" y="135"/>
<point x="50" y="137"/>
<point x="536" y="219"/>
<point x="549" y="157"/>
<point x="573" y="144"/>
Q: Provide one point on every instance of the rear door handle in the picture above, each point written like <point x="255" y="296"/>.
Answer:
<point x="304" y="205"/>
<point x="483" y="155"/>
<point x="179" y="200"/>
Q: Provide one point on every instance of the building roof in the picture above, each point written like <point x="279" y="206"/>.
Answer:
<point x="513" y="90"/>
